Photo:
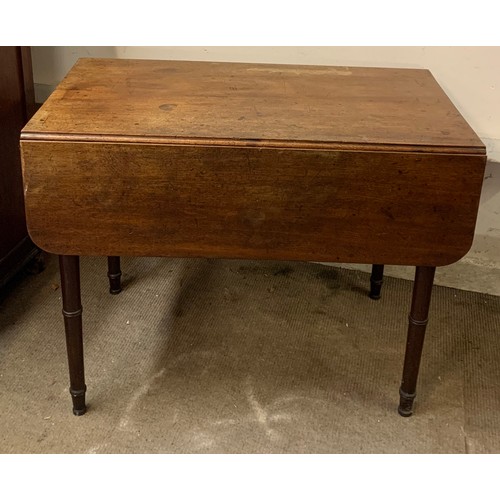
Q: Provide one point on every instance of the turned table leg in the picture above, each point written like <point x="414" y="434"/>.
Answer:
<point x="69" y="266"/>
<point x="422" y="289"/>
<point x="114" y="275"/>
<point x="376" y="281"/>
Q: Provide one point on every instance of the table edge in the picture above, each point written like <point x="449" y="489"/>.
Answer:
<point x="259" y="143"/>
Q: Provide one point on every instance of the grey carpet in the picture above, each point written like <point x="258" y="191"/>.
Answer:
<point x="218" y="356"/>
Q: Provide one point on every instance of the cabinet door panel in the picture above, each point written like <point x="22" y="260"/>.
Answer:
<point x="16" y="105"/>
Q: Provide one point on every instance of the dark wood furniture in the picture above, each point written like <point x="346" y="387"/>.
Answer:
<point x="197" y="159"/>
<point x="17" y="105"/>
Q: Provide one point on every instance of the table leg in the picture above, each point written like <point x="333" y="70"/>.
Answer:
<point x="422" y="289"/>
<point x="376" y="281"/>
<point x="114" y="275"/>
<point x="69" y="266"/>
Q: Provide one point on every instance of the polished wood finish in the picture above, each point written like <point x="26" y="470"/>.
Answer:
<point x="69" y="266"/>
<point x="376" y="280"/>
<point x="185" y="159"/>
<point x="265" y="203"/>
<point x="422" y="289"/>
<point x="30" y="107"/>
<point x="16" y="108"/>
<point x="114" y="275"/>
<point x="258" y="104"/>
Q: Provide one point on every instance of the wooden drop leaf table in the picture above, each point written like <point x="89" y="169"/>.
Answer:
<point x="252" y="161"/>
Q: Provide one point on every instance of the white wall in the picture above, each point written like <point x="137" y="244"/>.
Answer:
<point x="469" y="75"/>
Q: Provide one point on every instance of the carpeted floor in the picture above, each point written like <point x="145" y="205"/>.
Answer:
<point x="218" y="356"/>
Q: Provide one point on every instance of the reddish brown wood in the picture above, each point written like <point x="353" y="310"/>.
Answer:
<point x="114" y="275"/>
<point x="16" y="101"/>
<point x="28" y="84"/>
<point x="253" y="161"/>
<point x="255" y="203"/>
<point x="238" y="104"/>
<point x="422" y="289"/>
<point x="69" y="266"/>
<point x="376" y="280"/>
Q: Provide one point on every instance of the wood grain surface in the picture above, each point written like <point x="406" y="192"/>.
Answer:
<point x="259" y="203"/>
<point x="16" y="107"/>
<point x="178" y="102"/>
<point x="162" y="158"/>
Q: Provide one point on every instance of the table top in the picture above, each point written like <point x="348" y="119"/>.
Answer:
<point x="212" y="103"/>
